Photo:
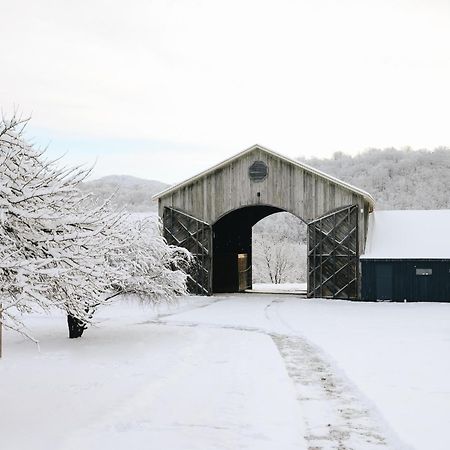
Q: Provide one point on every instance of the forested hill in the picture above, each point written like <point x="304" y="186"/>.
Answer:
<point x="397" y="179"/>
<point x="131" y="193"/>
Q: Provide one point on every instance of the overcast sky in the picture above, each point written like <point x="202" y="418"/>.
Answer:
<point x="163" y="89"/>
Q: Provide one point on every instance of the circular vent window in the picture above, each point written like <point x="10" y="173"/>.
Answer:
<point x="258" y="171"/>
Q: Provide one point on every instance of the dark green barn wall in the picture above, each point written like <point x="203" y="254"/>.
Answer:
<point x="406" y="285"/>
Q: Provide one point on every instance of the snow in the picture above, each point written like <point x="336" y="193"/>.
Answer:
<point x="231" y="372"/>
<point x="395" y="355"/>
<point x="272" y="288"/>
<point x="410" y="234"/>
<point x="136" y="216"/>
<point x="134" y="384"/>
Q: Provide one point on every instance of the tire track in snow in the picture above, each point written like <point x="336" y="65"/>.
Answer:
<point x="335" y="416"/>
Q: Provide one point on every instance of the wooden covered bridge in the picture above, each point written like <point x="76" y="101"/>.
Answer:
<point x="212" y="215"/>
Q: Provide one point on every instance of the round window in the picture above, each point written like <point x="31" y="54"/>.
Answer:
<point x="258" y="171"/>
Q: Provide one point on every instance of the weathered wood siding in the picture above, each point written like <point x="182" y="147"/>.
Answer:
<point x="303" y="193"/>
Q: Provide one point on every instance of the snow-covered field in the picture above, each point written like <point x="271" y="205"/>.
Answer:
<point x="232" y="372"/>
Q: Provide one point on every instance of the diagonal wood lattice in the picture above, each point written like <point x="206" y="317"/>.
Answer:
<point x="333" y="269"/>
<point x="195" y="235"/>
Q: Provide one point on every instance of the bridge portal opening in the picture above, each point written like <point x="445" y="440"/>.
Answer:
<point x="279" y="254"/>
<point x="233" y="254"/>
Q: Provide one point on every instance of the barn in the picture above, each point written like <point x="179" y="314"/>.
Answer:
<point x="407" y="256"/>
<point x="212" y="215"/>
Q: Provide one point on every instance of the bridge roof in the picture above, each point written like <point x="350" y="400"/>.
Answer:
<point x="235" y="157"/>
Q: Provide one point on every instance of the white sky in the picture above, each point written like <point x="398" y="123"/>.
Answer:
<point x="163" y="89"/>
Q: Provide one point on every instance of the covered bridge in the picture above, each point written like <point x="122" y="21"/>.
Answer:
<point x="212" y="215"/>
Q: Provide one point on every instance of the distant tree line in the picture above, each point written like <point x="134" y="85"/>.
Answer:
<point x="397" y="179"/>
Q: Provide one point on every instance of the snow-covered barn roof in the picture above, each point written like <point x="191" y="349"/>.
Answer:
<point x="411" y="234"/>
<point x="303" y="166"/>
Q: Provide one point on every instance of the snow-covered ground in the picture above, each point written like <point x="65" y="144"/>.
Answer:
<point x="131" y="383"/>
<point x="272" y="288"/>
<point x="232" y="372"/>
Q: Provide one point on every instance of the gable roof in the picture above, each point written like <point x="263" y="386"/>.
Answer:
<point x="301" y="165"/>
<point x="411" y="234"/>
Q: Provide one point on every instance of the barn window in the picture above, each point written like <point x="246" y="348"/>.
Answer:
<point x="424" y="271"/>
<point x="258" y="171"/>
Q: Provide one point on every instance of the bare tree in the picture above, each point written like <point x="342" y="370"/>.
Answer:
<point x="277" y="259"/>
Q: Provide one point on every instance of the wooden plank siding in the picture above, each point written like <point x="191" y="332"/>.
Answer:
<point x="291" y="188"/>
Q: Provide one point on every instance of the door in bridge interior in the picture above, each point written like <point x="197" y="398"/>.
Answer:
<point x="244" y="271"/>
<point x="183" y="230"/>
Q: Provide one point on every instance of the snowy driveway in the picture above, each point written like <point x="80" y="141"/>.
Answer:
<point x="391" y="359"/>
<point x="233" y="372"/>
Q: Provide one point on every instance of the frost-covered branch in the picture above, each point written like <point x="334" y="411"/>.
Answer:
<point x="60" y="249"/>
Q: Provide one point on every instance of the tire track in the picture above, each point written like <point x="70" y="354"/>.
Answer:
<point x="335" y="414"/>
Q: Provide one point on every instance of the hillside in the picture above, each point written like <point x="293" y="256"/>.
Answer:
<point x="397" y="179"/>
<point x="131" y="193"/>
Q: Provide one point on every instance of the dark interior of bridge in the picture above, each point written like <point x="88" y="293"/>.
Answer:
<point x="232" y="247"/>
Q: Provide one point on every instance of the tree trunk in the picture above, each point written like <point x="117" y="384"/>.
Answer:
<point x="76" y="326"/>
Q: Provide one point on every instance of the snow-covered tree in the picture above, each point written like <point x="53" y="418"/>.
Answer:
<point x="137" y="261"/>
<point x="60" y="249"/>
